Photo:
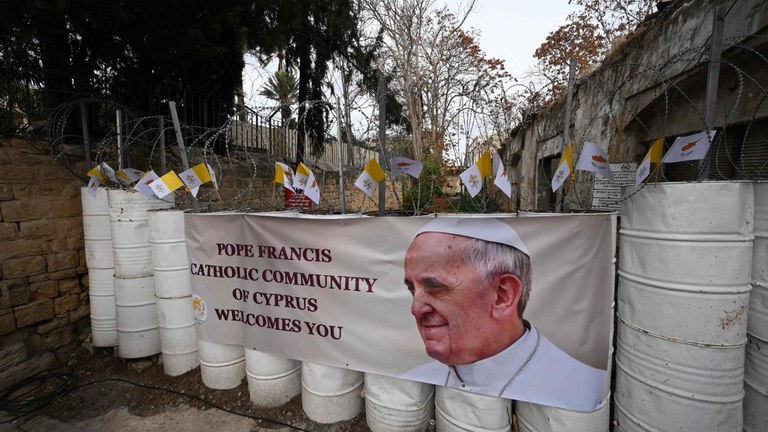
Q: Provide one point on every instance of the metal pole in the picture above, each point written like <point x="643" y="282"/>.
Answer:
<point x="382" y="96"/>
<point x="86" y="137"/>
<point x="162" y="145"/>
<point x="180" y="142"/>
<point x="566" y="125"/>
<point x="713" y="77"/>
<point x="119" y="120"/>
<point x="342" y="199"/>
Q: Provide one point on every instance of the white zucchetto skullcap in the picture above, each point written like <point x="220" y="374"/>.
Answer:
<point x="488" y="229"/>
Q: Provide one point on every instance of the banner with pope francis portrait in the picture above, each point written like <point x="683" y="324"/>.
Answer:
<point x="518" y="308"/>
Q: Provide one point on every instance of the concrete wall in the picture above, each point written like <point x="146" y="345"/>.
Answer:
<point x="651" y="86"/>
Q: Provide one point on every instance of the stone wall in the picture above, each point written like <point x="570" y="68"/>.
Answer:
<point x="43" y="274"/>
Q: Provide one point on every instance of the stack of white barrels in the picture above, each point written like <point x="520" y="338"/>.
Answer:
<point x="101" y="267"/>
<point x="173" y="292"/>
<point x="137" y="326"/>
<point x="756" y="362"/>
<point x="684" y="280"/>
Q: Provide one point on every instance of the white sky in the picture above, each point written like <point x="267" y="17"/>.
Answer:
<point x="511" y="30"/>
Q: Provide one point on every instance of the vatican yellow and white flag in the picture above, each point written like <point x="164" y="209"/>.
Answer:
<point x="485" y="165"/>
<point x="502" y="180"/>
<point x="401" y="165"/>
<point x="312" y="190"/>
<point x="195" y="177"/>
<point x="284" y="175"/>
<point x="370" y="177"/>
<point x="652" y="157"/>
<point x="564" y="168"/>
<point x="472" y="179"/>
<point x="143" y="185"/>
<point x="126" y="176"/>
<point x="301" y="176"/>
<point x="166" y="184"/>
<point x="691" y="147"/>
<point x="213" y="176"/>
<point x="594" y="159"/>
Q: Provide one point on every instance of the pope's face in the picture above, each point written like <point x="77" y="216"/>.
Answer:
<point x="451" y="303"/>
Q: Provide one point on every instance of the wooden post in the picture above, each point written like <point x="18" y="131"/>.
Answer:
<point x="382" y="96"/>
<point x="342" y="198"/>
<point x="713" y="78"/>
<point x="86" y="135"/>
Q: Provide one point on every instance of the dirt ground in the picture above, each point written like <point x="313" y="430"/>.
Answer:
<point x="95" y="391"/>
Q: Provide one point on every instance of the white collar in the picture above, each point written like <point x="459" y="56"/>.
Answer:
<point x="486" y="372"/>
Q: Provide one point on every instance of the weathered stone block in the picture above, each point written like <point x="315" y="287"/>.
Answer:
<point x="35" y="345"/>
<point x="67" y="242"/>
<point x="62" y="260"/>
<point x="62" y="274"/>
<point x="54" y="189"/>
<point x="8" y="230"/>
<point x="70" y="286"/>
<point x="24" y="266"/>
<point x="23" y="247"/>
<point x="38" y="278"/>
<point x="24" y="210"/>
<point x="35" y="312"/>
<point x="7" y="322"/>
<point x="65" y="304"/>
<point x="53" y="324"/>
<point x="19" y="174"/>
<point x="13" y="292"/>
<point x="6" y="192"/>
<point x="36" y="228"/>
<point x="79" y="313"/>
<point x="66" y="208"/>
<point x="54" y="172"/>
<point x="43" y="290"/>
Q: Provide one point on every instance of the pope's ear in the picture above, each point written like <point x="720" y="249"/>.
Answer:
<point x="508" y="288"/>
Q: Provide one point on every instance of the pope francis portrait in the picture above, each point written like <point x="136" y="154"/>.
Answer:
<point x="470" y="280"/>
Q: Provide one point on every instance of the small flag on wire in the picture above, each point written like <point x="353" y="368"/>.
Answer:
<point x="502" y="180"/>
<point x="126" y="176"/>
<point x="594" y="159"/>
<point x="143" y="185"/>
<point x="564" y="168"/>
<point x="93" y="185"/>
<point x="108" y="171"/>
<point x="370" y="177"/>
<point x="301" y="176"/>
<point x="166" y="184"/>
<point x="472" y="179"/>
<point x="284" y="176"/>
<point x="691" y="147"/>
<point x="312" y="190"/>
<point x="195" y="177"/>
<point x="401" y="166"/>
<point x="652" y="157"/>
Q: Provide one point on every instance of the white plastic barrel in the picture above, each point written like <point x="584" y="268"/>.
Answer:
<point x="330" y="394"/>
<point x="540" y="418"/>
<point x="137" y="327"/>
<point x="272" y="380"/>
<point x="101" y="292"/>
<point x="533" y="417"/>
<point x="397" y="405"/>
<point x="178" y="336"/>
<point x="96" y="229"/>
<point x="173" y="291"/>
<point x="684" y="265"/>
<point x="130" y="232"/>
<point x="756" y="367"/>
<point x="222" y="366"/>
<point x="457" y="410"/>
